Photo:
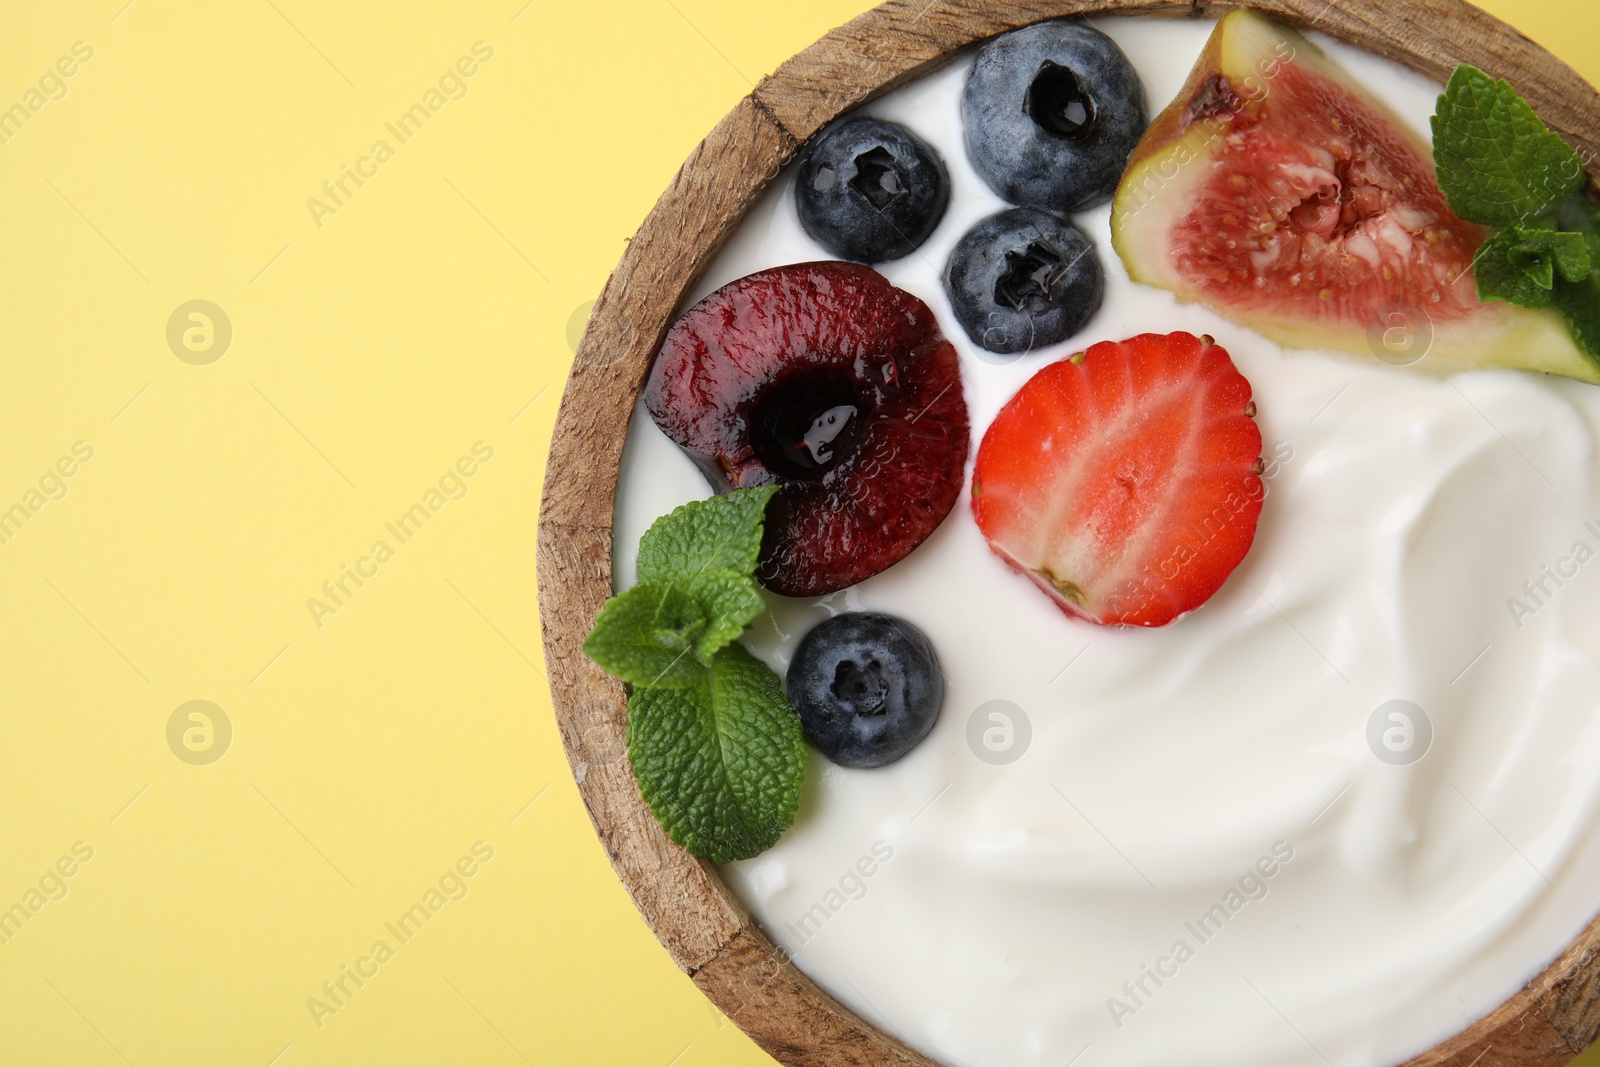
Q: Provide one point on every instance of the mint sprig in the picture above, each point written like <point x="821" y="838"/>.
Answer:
<point x="716" y="749"/>
<point x="1521" y="266"/>
<point x="1500" y="166"/>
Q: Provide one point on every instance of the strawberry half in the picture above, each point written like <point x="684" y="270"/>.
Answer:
<point x="1125" y="480"/>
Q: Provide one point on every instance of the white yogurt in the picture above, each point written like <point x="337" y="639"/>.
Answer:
<point x="998" y="914"/>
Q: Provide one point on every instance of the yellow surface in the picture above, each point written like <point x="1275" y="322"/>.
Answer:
<point x="378" y="740"/>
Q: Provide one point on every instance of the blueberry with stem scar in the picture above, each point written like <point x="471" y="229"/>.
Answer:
<point x="869" y="190"/>
<point x="867" y="688"/>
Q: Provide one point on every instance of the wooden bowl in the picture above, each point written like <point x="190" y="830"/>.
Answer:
<point x="706" y="929"/>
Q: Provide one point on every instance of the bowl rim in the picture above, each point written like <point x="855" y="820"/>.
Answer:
<point x="708" y="932"/>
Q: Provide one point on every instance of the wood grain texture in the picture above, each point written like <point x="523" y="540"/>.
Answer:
<point x="1569" y="991"/>
<point x="709" y="934"/>
<point x="786" y="1014"/>
<point x="684" y="902"/>
<point x="900" y="41"/>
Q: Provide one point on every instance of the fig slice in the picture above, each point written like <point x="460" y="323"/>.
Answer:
<point x="1282" y="194"/>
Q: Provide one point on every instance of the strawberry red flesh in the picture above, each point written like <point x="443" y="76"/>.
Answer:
<point x="1125" y="480"/>
<point x="824" y="379"/>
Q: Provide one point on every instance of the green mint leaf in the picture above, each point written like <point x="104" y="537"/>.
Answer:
<point x="720" y="763"/>
<point x="1579" y="302"/>
<point x="1520" y="266"/>
<point x="695" y="566"/>
<point x="730" y="602"/>
<point x="708" y="548"/>
<point x="1551" y="251"/>
<point x="716" y="749"/>
<point x="1498" y="164"/>
<point x="723" y="533"/>
<point x="649" y="636"/>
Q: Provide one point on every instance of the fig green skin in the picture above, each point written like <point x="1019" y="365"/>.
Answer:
<point x="1020" y="159"/>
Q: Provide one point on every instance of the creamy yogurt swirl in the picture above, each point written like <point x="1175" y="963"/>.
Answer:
<point x="1334" y="816"/>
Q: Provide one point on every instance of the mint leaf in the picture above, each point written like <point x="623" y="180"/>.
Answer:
<point x="730" y="602"/>
<point x="708" y="550"/>
<point x="1541" y="253"/>
<point x="723" y="533"/>
<point x="649" y="636"/>
<point x="1520" y="266"/>
<point x="1579" y="303"/>
<point x="1498" y="164"/>
<point x="720" y="763"/>
<point x="716" y="749"/>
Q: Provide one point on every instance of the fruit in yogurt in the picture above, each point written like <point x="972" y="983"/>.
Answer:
<point x="827" y="381"/>
<point x="1022" y="279"/>
<point x="1125" y="480"/>
<point x="1051" y="112"/>
<point x="1278" y="191"/>
<point x="867" y="688"/>
<point x="870" y="190"/>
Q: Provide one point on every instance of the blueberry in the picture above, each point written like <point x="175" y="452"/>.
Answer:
<point x="867" y="688"/>
<point x="1052" y="112"/>
<point x="870" y="190"/>
<point x="1021" y="279"/>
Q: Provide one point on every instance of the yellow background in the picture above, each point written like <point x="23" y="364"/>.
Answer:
<point x="433" y="310"/>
